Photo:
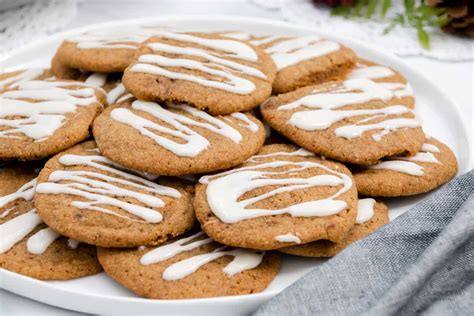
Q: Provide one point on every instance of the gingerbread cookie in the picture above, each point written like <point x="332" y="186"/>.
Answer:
<point x="176" y="139"/>
<point x="305" y="60"/>
<point x="357" y="121"/>
<point x="85" y="196"/>
<point x="190" y="267"/>
<point x="42" y="117"/>
<point x="105" y="50"/>
<point x="385" y="75"/>
<point x="433" y="166"/>
<point x="27" y="245"/>
<point x="11" y="80"/>
<point x="208" y="71"/>
<point x="371" y="215"/>
<point x="282" y="190"/>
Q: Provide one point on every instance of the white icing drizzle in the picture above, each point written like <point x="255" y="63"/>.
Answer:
<point x="216" y="63"/>
<point x="114" y="38"/>
<point x="365" y="210"/>
<point x="429" y="148"/>
<point x="18" y="228"/>
<point x="39" y="120"/>
<point x="265" y="40"/>
<point x="96" y="79"/>
<point x="371" y="72"/>
<point x="194" y="143"/>
<point x="353" y="91"/>
<point x="24" y="75"/>
<point x="299" y="152"/>
<point x="114" y="94"/>
<point x="244" y="259"/>
<point x="41" y="240"/>
<point x="247" y="123"/>
<point x="293" y="50"/>
<point x="224" y="190"/>
<point x="101" y="189"/>
<point x="25" y="192"/>
<point x="409" y="165"/>
<point x="168" y="251"/>
<point x="72" y="243"/>
<point x="288" y="238"/>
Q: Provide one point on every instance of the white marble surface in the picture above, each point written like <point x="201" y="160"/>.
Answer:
<point x="456" y="78"/>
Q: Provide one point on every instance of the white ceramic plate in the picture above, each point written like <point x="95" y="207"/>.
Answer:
<point x="99" y="294"/>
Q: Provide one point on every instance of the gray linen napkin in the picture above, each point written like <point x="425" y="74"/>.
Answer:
<point x="420" y="263"/>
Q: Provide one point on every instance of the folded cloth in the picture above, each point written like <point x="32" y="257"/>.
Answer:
<point x="420" y="263"/>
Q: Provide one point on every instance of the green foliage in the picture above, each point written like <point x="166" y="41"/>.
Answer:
<point x="417" y="15"/>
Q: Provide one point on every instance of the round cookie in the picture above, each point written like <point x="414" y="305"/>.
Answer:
<point x="177" y="139"/>
<point x="104" y="50"/>
<point x="42" y="117"/>
<point x="366" y="69"/>
<point x="282" y="190"/>
<point x="11" y="80"/>
<point x="433" y="166"/>
<point x="207" y="71"/>
<point x="305" y="60"/>
<point x="27" y="245"/>
<point x="85" y="196"/>
<point x="190" y="267"/>
<point x="371" y="215"/>
<point x="358" y="121"/>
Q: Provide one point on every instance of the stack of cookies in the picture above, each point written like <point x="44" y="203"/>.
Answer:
<point x="183" y="164"/>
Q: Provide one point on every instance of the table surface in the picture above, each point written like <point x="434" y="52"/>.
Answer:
<point x="455" y="78"/>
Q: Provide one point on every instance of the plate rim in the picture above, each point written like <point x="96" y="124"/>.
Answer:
<point x="257" y="298"/>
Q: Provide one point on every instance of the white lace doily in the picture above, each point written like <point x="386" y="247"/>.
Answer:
<point x="401" y="41"/>
<point x="28" y="22"/>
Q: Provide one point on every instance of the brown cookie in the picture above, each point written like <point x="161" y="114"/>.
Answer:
<point x="85" y="196"/>
<point x="374" y="215"/>
<point x="104" y="50"/>
<point x="207" y="71"/>
<point x="366" y="69"/>
<point x="190" y="267"/>
<point x="42" y="117"/>
<point x="357" y="121"/>
<point x="175" y="139"/>
<point x="305" y="60"/>
<point x="282" y="190"/>
<point x="433" y="166"/>
<point x="27" y="245"/>
<point x="11" y="80"/>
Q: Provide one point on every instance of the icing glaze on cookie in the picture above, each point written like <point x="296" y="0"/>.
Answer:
<point x="299" y="152"/>
<point x="114" y="38"/>
<point x="226" y="74"/>
<point x="224" y="190"/>
<point x="96" y="79"/>
<point x="363" y="71"/>
<point x="409" y="165"/>
<point x="365" y="210"/>
<point x="243" y="259"/>
<point x="349" y="92"/>
<point x="116" y="94"/>
<point x="192" y="143"/>
<point x="288" y="238"/>
<point x="39" y="120"/>
<point x="22" y="76"/>
<point x="288" y="51"/>
<point x="17" y="228"/>
<point x="102" y="189"/>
